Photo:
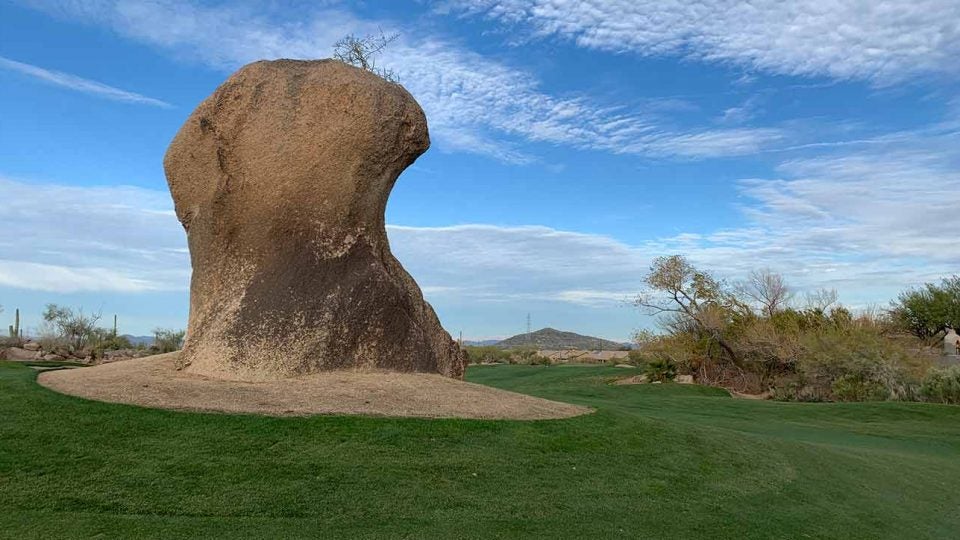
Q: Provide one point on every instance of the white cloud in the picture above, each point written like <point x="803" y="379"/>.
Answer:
<point x="127" y="239"/>
<point x="70" y="239"/>
<point x="64" y="279"/>
<point x="80" y="84"/>
<point x="491" y="263"/>
<point x="868" y="222"/>
<point x="473" y="104"/>
<point x="882" y="41"/>
<point x="118" y="241"/>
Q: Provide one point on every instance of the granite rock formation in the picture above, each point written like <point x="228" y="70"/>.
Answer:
<point x="281" y="179"/>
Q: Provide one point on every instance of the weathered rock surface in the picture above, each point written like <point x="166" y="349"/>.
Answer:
<point x="16" y="353"/>
<point x="281" y="179"/>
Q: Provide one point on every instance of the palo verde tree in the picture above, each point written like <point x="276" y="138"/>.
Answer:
<point x="928" y="311"/>
<point x="690" y="299"/>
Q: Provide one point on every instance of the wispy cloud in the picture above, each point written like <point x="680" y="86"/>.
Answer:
<point x="474" y="104"/>
<point x="868" y="222"/>
<point x="66" y="279"/>
<point x="136" y="244"/>
<point x="111" y="238"/>
<point x="79" y="84"/>
<point x="491" y="263"/>
<point x="883" y="41"/>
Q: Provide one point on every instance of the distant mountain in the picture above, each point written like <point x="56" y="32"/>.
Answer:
<point x="549" y="338"/>
<point x="146" y="341"/>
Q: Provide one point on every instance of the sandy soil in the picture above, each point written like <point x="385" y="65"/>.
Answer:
<point x="154" y="382"/>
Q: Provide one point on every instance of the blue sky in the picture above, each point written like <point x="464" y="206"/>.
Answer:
<point x="572" y="143"/>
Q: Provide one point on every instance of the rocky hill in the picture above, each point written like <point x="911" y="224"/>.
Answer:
<point x="549" y="338"/>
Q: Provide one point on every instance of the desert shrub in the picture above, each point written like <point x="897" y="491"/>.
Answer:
<point x="69" y="327"/>
<point x="854" y="364"/>
<point x="660" y="369"/>
<point x="521" y="356"/>
<point x="857" y="388"/>
<point x="791" y="389"/>
<point x="486" y="354"/>
<point x="166" y="340"/>
<point x="538" y="360"/>
<point x="942" y="385"/>
<point x="752" y="338"/>
<point x="105" y="340"/>
<point x="49" y="339"/>
<point x="635" y="358"/>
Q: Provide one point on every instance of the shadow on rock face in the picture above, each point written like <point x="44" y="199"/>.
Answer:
<point x="281" y="180"/>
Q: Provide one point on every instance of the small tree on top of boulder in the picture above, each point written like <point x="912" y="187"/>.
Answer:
<point x="362" y="51"/>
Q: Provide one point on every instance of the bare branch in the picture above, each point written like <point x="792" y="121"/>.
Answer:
<point x="766" y="289"/>
<point x="362" y="51"/>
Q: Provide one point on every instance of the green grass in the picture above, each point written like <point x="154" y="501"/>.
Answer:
<point x="654" y="461"/>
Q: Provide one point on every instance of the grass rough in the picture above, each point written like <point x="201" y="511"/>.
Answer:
<point x="654" y="461"/>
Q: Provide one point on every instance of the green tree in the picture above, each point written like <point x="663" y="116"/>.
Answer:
<point x="167" y="340"/>
<point x="929" y="310"/>
<point x="691" y="298"/>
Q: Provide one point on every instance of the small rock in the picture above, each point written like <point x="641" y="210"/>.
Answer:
<point x="53" y="358"/>
<point x="684" y="379"/>
<point x="31" y="346"/>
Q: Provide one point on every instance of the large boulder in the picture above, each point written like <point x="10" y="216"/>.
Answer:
<point x="281" y="179"/>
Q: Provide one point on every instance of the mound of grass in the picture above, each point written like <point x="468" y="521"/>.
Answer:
<point x="658" y="461"/>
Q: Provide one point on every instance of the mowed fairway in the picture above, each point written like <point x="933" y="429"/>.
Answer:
<point x="655" y="461"/>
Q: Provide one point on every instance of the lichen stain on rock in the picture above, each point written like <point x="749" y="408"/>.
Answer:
<point x="281" y="180"/>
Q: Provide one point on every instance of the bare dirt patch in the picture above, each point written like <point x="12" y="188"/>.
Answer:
<point x="155" y="382"/>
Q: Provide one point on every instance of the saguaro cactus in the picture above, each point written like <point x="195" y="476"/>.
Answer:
<point x="15" y="327"/>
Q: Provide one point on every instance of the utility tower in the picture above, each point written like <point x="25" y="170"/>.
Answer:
<point x="529" y="337"/>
